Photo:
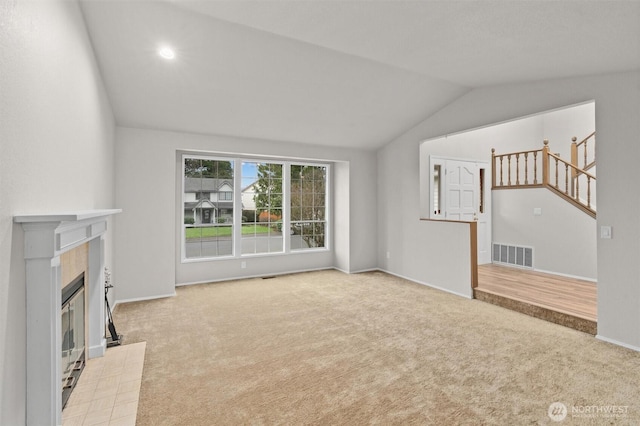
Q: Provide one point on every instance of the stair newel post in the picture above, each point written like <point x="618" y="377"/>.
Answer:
<point x="493" y="163"/>
<point x="545" y="163"/>
<point x="574" y="155"/>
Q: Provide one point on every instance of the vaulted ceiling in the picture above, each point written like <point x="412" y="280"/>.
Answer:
<point x="339" y="73"/>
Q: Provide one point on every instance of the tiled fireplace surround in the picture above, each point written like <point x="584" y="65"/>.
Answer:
<point x="57" y="246"/>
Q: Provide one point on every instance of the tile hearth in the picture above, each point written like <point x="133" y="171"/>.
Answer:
<point x="108" y="389"/>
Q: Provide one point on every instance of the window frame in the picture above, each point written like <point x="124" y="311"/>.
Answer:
<point x="237" y="161"/>
<point x="225" y="193"/>
<point x="282" y="208"/>
<point x="183" y="225"/>
<point x="326" y="204"/>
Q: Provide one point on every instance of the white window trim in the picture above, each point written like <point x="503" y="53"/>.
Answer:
<point x="237" y="206"/>
<point x="328" y="209"/>
<point x="436" y="161"/>
<point x="183" y="238"/>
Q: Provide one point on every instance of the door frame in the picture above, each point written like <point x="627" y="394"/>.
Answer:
<point x="482" y="199"/>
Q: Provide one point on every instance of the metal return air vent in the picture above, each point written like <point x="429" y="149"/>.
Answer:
<point x="513" y="255"/>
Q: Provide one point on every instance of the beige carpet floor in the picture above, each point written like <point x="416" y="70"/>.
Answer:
<point x="331" y="348"/>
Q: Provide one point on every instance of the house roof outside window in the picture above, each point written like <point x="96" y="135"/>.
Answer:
<point x="192" y="184"/>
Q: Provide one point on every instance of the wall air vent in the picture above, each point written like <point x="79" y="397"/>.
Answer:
<point x="513" y="255"/>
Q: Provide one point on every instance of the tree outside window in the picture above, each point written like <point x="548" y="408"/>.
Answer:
<point x="307" y="204"/>
<point x="210" y="196"/>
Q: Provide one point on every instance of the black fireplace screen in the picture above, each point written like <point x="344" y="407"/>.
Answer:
<point x="73" y="335"/>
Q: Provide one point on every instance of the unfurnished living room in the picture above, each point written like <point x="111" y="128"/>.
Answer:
<point x="319" y="212"/>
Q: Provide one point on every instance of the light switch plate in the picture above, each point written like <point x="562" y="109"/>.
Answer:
<point x="606" y="232"/>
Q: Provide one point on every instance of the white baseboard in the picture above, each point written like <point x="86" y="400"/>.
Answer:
<point x="426" y="284"/>
<point x="98" y="351"/>
<point x="139" y="299"/>
<point x="361" y="271"/>
<point x="576" y="277"/>
<point x="615" y="342"/>
<point x="246" y="277"/>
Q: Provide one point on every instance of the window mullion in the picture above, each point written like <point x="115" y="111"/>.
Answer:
<point x="237" y="207"/>
<point x="328" y="208"/>
<point x="183" y="227"/>
<point x="286" y="206"/>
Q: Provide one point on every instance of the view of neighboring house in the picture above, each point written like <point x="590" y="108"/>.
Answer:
<point x="248" y="192"/>
<point x="207" y="200"/>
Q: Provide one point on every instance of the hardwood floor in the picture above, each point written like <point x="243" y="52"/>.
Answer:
<point x="562" y="300"/>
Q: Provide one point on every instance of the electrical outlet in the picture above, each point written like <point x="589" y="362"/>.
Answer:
<point x="388" y="255"/>
<point x="243" y="264"/>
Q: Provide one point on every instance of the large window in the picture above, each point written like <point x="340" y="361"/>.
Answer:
<point x="308" y="206"/>
<point x="242" y="207"/>
<point x="207" y="217"/>
<point x="262" y="208"/>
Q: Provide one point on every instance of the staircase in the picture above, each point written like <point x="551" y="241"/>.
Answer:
<point x="570" y="180"/>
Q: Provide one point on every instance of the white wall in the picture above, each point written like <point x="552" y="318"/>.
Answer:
<point x="56" y="131"/>
<point x="617" y="99"/>
<point x="148" y="235"/>
<point x="564" y="239"/>
<point x="513" y="220"/>
<point x="524" y="134"/>
<point x="341" y="221"/>
<point x="561" y="125"/>
<point x="527" y="133"/>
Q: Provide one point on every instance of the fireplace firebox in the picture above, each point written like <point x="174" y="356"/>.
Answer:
<point x="73" y="335"/>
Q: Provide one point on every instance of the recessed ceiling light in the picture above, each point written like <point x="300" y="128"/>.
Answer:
<point x="166" y="52"/>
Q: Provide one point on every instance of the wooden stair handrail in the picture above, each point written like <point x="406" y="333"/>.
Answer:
<point x="582" y="144"/>
<point x="577" y="169"/>
<point x="515" y="152"/>
<point x="525" y="155"/>
<point x="574" y="157"/>
<point x="584" y="141"/>
<point x="550" y="162"/>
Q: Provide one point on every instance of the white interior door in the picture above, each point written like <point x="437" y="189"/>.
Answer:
<point x="461" y="190"/>
<point x="467" y="199"/>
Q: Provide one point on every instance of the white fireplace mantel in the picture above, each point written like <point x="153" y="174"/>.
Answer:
<point x="46" y="237"/>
